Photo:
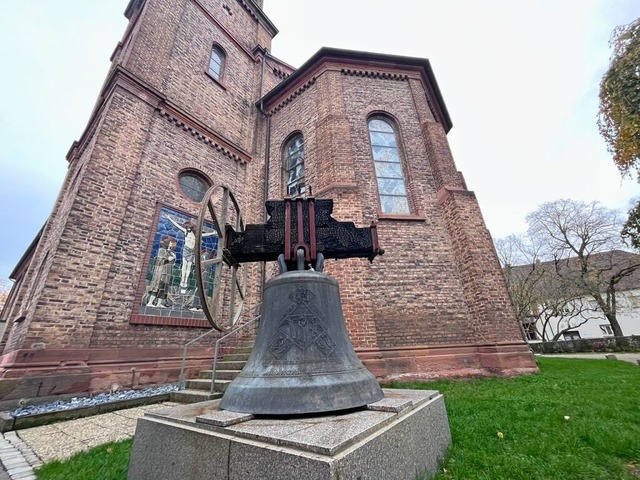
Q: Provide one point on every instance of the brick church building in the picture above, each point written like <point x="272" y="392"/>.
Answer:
<point x="106" y="292"/>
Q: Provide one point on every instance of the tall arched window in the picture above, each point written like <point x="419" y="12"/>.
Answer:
<point x="216" y="62"/>
<point x="386" y="157"/>
<point x="294" y="165"/>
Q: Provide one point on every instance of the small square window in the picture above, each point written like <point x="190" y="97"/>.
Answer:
<point x="606" y="329"/>
<point x="572" y="335"/>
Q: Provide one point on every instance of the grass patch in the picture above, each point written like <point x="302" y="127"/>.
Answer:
<point x="600" y="439"/>
<point x="576" y="419"/>
<point x="105" y="462"/>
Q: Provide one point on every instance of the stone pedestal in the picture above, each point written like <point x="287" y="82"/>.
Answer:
<point x="404" y="435"/>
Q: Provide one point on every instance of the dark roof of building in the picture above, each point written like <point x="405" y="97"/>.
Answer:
<point x="606" y="264"/>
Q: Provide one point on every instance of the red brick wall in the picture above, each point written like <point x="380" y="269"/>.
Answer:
<point x="439" y="281"/>
<point x="95" y="243"/>
<point x="36" y="276"/>
<point x="170" y="51"/>
<point x="168" y="149"/>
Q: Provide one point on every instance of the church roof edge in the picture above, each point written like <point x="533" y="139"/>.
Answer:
<point x="362" y="58"/>
<point x="256" y="9"/>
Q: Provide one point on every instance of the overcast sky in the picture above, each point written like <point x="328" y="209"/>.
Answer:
<point x="520" y="80"/>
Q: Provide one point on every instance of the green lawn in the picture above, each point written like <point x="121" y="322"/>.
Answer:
<point x="106" y="462"/>
<point x="577" y="419"/>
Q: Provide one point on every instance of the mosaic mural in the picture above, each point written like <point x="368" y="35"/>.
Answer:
<point x="170" y="286"/>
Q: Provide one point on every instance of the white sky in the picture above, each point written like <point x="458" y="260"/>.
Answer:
<point x="520" y="80"/>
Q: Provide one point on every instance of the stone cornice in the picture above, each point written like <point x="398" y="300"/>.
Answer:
<point x="289" y="98"/>
<point x="447" y="192"/>
<point x="315" y="74"/>
<point x="374" y="74"/>
<point x="202" y="133"/>
<point x="279" y="73"/>
<point x="336" y="187"/>
<point x="257" y="14"/>
<point x="122" y="78"/>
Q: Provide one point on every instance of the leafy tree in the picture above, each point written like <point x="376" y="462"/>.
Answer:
<point x="631" y="228"/>
<point x="619" y="116"/>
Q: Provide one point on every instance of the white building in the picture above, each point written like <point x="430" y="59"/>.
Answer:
<point x="580" y="317"/>
<point x="596" y="324"/>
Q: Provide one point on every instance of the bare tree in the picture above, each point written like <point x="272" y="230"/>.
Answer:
<point x="583" y="242"/>
<point x="547" y="305"/>
<point x="519" y="260"/>
<point x="560" y="314"/>
<point x="5" y="287"/>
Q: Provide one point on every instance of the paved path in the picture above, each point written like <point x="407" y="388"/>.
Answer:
<point x="23" y="451"/>
<point x="625" y="357"/>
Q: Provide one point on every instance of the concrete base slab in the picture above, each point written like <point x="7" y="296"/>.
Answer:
<point x="404" y="435"/>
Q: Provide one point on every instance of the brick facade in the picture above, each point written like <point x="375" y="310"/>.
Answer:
<point x="435" y="304"/>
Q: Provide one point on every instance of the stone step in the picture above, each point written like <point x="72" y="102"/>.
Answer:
<point x="193" y="396"/>
<point x="198" y="389"/>
<point x="202" y="384"/>
<point x="220" y="374"/>
<point x="224" y="365"/>
<point x="243" y="349"/>
<point x="235" y="357"/>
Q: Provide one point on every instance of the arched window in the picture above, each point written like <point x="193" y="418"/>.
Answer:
<point x="193" y="185"/>
<point x="388" y="164"/>
<point x="216" y="62"/>
<point x="294" y="165"/>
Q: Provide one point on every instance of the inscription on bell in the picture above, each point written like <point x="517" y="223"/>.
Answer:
<point x="303" y="325"/>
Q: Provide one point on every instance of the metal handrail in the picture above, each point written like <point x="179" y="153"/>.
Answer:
<point x="181" y="379"/>
<point x="184" y="356"/>
<point x="219" y="341"/>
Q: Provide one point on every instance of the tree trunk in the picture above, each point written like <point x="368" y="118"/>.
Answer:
<point x="615" y="325"/>
<point x="609" y="311"/>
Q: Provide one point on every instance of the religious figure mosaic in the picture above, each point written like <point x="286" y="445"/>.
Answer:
<point x="170" y="285"/>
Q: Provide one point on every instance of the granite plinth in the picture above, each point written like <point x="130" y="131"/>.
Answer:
<point x="404" y="435"/>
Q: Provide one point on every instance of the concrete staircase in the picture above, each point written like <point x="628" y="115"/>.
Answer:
<point x="199" y="389"/>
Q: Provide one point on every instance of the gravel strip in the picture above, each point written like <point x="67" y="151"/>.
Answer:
<point x="100" y="399"/>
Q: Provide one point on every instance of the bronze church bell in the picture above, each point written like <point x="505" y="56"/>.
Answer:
<point x="302" y="361"/>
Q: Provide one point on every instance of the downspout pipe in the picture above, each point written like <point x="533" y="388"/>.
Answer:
<point x="267" y="153"/>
